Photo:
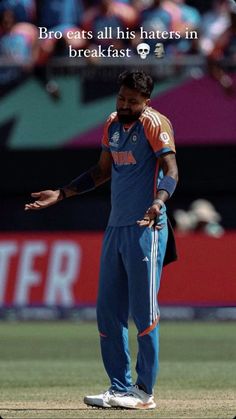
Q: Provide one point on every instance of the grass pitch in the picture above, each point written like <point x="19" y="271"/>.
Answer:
<point x="47" y="368"/>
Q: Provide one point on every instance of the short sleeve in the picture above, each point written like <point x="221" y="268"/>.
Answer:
<point x="159" y="133"/>
<point x="105" y="137"/>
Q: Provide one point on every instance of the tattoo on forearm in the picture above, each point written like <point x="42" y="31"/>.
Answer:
<point x="97" y="174"/>
<point x="87" y="181"/>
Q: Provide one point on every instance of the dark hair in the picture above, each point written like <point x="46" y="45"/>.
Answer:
<point x="137" y="80"/>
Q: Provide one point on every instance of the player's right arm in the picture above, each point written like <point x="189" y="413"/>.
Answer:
<point x="95" y="176"/>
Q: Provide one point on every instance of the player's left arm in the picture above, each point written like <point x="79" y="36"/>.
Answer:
<point x="165" y="189"/>
<point x="168" y="184"/>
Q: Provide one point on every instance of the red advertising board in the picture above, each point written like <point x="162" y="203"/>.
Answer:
<point x="205" y="274"/>
<point x="48" y="269"/>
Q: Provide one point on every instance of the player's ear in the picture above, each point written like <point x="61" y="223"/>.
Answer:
<point x="147" y="102"/>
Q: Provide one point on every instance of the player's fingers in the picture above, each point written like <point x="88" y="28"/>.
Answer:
<point x="142" y="223"/>
<point x="29" y="208"/>
<point x="32" y="206"/>
<point x="159" y="227"/>
<point x="151" y="223"/>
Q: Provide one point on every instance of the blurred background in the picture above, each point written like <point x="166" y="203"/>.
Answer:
<point x="51" y="120"/>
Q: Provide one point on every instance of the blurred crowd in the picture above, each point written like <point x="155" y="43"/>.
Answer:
<point x="20" y="21"/>
<point x="201" y="216"/>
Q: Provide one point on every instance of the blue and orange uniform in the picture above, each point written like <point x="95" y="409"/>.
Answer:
<point x="132" y="256"/>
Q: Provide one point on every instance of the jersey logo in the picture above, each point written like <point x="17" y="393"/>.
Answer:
<point x="123" y="158"/>
<point x="164" y="137"/>
<point x="115" y="139"/>
<point x="134" y="138"/>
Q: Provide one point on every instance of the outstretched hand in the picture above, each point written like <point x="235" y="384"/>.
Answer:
<point x="44" y="199"/>
<point x="150" y="218"/>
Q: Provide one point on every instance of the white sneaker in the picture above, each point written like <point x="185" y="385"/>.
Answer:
<point x="101" y="400"/>
<point x="134" y="399"/>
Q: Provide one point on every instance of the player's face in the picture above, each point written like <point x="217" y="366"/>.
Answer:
<point x="130" y="105"/>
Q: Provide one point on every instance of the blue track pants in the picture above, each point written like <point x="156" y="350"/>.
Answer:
<point x="131" y="265"/>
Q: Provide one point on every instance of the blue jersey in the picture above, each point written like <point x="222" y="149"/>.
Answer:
<point x="136" y="170"/>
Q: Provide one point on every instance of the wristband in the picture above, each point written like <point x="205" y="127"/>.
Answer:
<point x="158" y="202"/>
<point x="62" y="193"/>
<point x="168" y="183"/>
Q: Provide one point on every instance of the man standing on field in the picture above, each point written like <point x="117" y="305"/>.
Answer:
<point x="139" y="156"/>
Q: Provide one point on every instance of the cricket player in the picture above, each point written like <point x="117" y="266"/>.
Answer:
<point x="138" y="154"/>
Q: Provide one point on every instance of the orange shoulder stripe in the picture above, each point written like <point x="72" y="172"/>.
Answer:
<point x="110" y="119"/>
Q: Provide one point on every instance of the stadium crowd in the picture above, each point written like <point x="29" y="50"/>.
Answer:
<point x="214" y="22"/>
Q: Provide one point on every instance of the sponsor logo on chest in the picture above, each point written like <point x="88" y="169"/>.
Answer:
<point x="123" y="158"/>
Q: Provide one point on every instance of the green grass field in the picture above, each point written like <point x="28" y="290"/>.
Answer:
<point x="47" y="368"/>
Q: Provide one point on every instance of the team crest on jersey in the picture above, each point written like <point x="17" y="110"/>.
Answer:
<point x="165" y="138"/>
<point x="115" y="139"/>
<point x="134" y="138"/>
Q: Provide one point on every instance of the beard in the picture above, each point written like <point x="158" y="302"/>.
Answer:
<point x="126" y="116"/>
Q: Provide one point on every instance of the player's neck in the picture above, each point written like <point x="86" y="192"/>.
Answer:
<point x="127" y="127"/>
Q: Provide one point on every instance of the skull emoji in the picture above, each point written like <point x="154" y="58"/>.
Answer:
<point x="159" y="50"/>
<point x="143" y="50"/>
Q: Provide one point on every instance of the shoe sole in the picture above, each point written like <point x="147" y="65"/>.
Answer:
<point x="93" y="404"/>
<point x="97" y="406"/>
<point x="139" y="406"/>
